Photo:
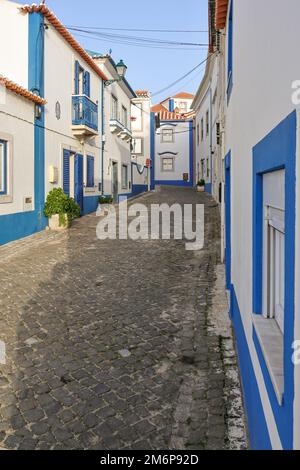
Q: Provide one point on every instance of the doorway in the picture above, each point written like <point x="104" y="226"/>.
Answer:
<point x="115" y="181"/>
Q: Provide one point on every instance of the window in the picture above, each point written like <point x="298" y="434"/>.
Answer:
<point x="124" y="117"/>
<point x="230" y="50"/>
<point x="124" y="176"/>
<point x="207" y="122"/>
<point x="90" y="179"/>
<point x="3" y="167"/>
<point x="274" y="246"/>
<point x="114" y="108"/>
<point x="137" y="146"/>
<point x="167" y="135"/>
<point x="207" y="168"/>
<point x="183" y="107"/>
<point x="167" y="164"/>
<point x="202" y="129"/>
<point x="198" y="135"/>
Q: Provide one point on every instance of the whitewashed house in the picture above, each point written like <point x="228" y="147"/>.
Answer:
<point x="117" y="175"/>
<point x="141" y="141"/>
<point x="21" y="162"/>
<point x="262" y="171"/>
<point x="69" y="134"/>
<point x="172" y="147"/>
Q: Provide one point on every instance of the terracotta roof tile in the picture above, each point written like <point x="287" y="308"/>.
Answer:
<point x="143" y="93"/>
<point x="183" y="95"/>
<point x="64" y="33"/>
<point x="221" y="14"/>
<point x="21" y="91"/>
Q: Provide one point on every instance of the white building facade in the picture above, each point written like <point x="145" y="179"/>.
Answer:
<point x="117" y="172"/>
<point x="19" y="160"/>
<point x="141" y="141"/>
<point x="172" y="147"/>
<point x="262" y="210"/>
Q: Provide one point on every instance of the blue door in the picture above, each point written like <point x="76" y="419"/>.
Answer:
<point x="66" y="172"/>
<point x="228" y="219"/>
<point x="78" y="180"/>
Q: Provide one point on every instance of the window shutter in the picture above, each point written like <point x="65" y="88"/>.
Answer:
<point x="66" y="172"/>
<point x="90" y="172"/>
<point x="87" y="84"/>
<point x="76" y="78"/>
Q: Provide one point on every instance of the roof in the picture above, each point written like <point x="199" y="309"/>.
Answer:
<point x="221" y="13"/>
<point x="143" y="93"/>
<point x="21" y="91"/>
<point x="60" y="28"/>
<point x="167" y="116"/>
<point x="157" y="108"/>
<point x="186" y="96"/>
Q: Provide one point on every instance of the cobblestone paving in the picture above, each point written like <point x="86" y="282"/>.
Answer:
<point x="117" y="344"/>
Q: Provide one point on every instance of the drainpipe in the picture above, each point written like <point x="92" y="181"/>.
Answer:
<point x="102" y="137"/>
<point x="211" y="138"/>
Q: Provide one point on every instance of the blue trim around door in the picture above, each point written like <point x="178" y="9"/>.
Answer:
<point x="78" y="180"/>
<point x="278" y="151"/>
<point x="152" y="149"/>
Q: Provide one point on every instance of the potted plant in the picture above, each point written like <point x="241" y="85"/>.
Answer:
<point x="104" y="204"/>
<point x="201" y="186"/>
<point x="60" y="210"/>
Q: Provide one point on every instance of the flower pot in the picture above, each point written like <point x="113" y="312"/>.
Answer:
<point x="59" y="222"/>
<point x="200" y="189"/>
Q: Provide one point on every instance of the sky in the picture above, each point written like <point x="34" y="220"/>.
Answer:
<point x="148" y="68"/>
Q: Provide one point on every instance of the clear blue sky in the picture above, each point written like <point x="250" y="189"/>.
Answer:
<point x="151" y="69"/>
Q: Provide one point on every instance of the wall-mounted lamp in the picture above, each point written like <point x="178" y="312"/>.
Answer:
<point x="121" y="69"/>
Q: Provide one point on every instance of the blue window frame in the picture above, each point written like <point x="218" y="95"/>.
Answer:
<point x="277" y="151"/>
<point x="230" y="52"/>
<point x="3" y="167"/>
<point x="90" y="172"/>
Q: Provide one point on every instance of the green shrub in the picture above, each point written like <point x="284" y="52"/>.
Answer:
<point x="59" y="203"/>
<point x="105" y="200"/>
<point x="201" y="183"/>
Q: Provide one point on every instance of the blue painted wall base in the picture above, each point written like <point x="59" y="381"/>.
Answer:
<point x="16" y="226"/>
<point x="257" y="426"/>
<point x="139" y="189"/>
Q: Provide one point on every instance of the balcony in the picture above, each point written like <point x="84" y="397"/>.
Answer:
<point x="116" y="127"/>
<point x="84" y="116"/>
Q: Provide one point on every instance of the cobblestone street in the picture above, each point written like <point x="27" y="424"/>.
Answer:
<point x="118" y="344"/>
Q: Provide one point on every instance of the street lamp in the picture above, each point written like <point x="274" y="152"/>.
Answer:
<point x="121" y="69"/>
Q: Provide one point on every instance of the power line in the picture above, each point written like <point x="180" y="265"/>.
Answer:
<point x="181" y="78"/>
<point x="139" y="30"/>
<point x="138" y="38"/>
<point x="129" y="43"/>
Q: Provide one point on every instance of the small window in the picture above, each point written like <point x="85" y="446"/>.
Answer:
<point x="124" y="176"/>
<point x="3" y="167"/>
<point x="124" y="117"/>
<point x="167" y="135"/>
<point x="274" y="247"/>
<point x="202" y="129"/>
<point x="90" y="180"/>
<point x="137" y="146"/>
<point x="114" y="108"/>
<point x="168" y="164"/>
<point x="207" y="122"/>
<point x="183" y="107"/>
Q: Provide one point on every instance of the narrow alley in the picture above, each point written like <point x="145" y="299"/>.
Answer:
<point x="118" y="344"/>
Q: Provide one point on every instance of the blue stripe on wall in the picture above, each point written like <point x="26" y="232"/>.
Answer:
<point x="152" y="149"/>
<point x="257" y="426"/>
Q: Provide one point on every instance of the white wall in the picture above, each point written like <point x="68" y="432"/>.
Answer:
<point x="181" y="146"/>
<point x="264" y="68"/>
<point x="141" y="127"/>
<point x="60" y="60"/>
<point x="16" y="127"/>
<point x="116" y="149"/>
<point x="13" y="43"/>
